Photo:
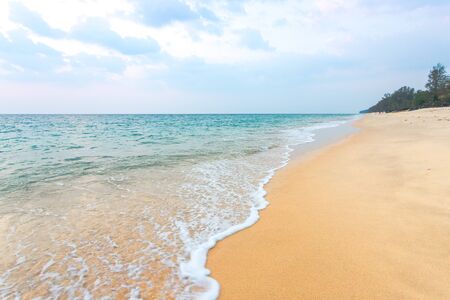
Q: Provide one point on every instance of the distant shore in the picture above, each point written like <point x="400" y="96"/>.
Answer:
<point x="365" y="218"/>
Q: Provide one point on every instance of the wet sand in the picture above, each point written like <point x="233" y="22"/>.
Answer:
<point x="366" y="218"/>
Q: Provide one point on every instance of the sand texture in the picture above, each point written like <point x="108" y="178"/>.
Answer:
<point x="367" y="218"/>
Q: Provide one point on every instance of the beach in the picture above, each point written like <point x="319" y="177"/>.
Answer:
<point x="367" y="217"/>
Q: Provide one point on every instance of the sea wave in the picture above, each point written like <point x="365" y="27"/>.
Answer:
<point x="103" y="215"/>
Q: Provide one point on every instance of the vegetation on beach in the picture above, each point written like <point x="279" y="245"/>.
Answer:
<point x="437" y="94"/>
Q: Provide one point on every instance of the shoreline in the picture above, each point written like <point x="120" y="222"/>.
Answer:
<point x="320" y="248"/>
<point x="196" y="268"/>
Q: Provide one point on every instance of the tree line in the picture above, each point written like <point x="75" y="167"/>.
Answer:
<point x="437" y="94"/>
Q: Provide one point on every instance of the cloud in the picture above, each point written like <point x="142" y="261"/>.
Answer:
<point x="280" y="22"/>
<point x="32" y="20"/>
<point x="253" y="39"/>
<point x="97" y="31"/>
<point x="309" y="55"/>
<point x="99" y="63"/>
<point x="403" y="4"/>
<point x="162" y="12"/>
<point x="208" y="14"/>
<point x="18" y="50"/>
<point x="235" y="6"/>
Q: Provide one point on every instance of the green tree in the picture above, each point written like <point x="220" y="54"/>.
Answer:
<point x="401" y="99"/>
<point x="422" y="99"/>
<point x="437" y="79"/>
<point x="405" y="98"/>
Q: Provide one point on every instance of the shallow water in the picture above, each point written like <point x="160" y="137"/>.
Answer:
<point x="107" y="206"/>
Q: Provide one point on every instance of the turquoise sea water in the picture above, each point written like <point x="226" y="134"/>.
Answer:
<point x="114" y="206"/>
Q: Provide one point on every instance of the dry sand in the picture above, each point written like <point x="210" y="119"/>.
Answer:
<point x="367" y="218"/>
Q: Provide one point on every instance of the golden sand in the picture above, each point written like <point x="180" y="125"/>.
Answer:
<point x="367" y="218"/>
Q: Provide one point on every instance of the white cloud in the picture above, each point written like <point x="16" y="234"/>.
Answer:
<point x="5" y="24"/>
<point x="313" y="27"/>
<point x="254" y="47"/>
<point x="64" y="14"/>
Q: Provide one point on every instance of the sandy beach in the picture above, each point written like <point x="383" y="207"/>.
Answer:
<point x="365" y="218"/>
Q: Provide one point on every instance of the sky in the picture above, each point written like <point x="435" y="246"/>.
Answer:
<point x="224" y="56"/>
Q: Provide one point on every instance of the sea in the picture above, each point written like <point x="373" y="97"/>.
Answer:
<point x="127" y="206"/>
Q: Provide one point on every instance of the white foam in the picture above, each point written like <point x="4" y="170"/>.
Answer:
<point x="195" y="269"/>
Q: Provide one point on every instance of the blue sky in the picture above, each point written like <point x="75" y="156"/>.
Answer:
<point x="191" y="56"/>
